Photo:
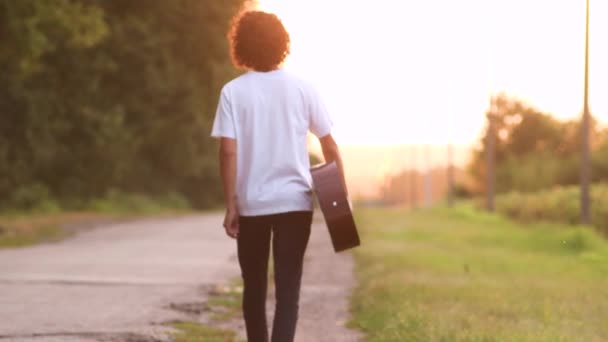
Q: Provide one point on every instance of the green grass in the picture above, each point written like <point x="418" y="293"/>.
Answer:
<point x="461" y="275"/>
<point x="195" y="332"/>
<point x="225" y="301"/>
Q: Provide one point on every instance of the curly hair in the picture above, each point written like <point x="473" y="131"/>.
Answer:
<point x="258" y="41"/>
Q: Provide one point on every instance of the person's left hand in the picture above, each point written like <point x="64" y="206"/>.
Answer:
<point x="231" y="222"/>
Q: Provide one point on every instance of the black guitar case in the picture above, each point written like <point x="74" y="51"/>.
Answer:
<point x="335" y="207"/>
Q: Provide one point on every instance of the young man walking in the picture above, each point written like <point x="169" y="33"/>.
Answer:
<point x="263" y="119"/>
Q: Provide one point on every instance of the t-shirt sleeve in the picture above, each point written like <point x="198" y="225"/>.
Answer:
<point x="320" y="121"/>
<point x="223" y="125"/>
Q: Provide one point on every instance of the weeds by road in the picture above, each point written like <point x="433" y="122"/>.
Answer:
<point x="196" y="332"/>
<point x="23" y="230"/>
<point x="50" y="222"/>
<point x="221" y="311"/>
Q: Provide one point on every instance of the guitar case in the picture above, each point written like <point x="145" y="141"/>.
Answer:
<point x="331" y="196"/>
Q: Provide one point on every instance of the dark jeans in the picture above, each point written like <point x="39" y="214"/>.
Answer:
<point x="290" y="232"/>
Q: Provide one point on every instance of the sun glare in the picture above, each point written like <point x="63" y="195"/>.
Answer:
<point x="397" y="72"/>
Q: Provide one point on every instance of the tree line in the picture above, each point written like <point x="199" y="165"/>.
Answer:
<point x="534" y="151"/>
<point x="100" y="95"/>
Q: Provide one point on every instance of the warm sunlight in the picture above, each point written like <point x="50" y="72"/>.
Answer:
<point x="168" y="170"/>
<point x="396" y="72"/>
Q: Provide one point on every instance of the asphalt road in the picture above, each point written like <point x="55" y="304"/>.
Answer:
<point x="113" y="283"/>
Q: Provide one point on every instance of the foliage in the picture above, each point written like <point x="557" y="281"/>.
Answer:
<point x="34" y="198"/>
<point x="559" y="204"/>
<point x="533" y="150"/>
<point x="110" y="94"/>
<point x="463" y="275"/>
<point x="461" y="191"/>
<point x="116" y="202"/>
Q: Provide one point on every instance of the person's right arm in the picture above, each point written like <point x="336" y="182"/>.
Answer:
<point x="321" y="126"/>
<point x="223" y="128"/>
<point x="331" y="153"/>
<point x="228" y="152"/>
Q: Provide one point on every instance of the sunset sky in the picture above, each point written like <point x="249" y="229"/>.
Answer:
<point x="399" y="72"/>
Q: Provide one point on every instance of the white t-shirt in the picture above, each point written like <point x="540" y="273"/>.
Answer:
<point x="269" y="114"/>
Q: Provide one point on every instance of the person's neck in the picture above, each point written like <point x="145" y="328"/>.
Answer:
<point x="267" y="71"/>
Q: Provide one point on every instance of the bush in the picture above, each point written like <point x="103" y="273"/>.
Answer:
<point x="461" y="191"/>
<point x="34" y="198"/>
<point x="120" y="202"/>
<point x="560" y="204"/>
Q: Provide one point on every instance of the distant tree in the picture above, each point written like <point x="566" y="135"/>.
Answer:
<point x="533" y="149"/>
<point x="600" y="160"/>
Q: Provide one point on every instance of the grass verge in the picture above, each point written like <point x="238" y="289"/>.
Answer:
<point x="45" y="219"/>
<point x="20" y="238"/>
<point x="24" y="230"/>
<point x="461" y="275"/>
<point x="28" y="229"/>
<point x="195" y="332"/>
<point x="18" y="229"/>
<point x="225" y="302"/>
<point x="224" y="306"/>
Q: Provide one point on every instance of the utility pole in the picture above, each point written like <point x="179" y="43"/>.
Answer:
<point x="450" y="147"/>
<point x="491" y="136"/>
<point x="585" y="153"/>
<point x="413" y="185"/>
<point x="428" y="181"/>
<point x="450" y="171"/>
<point x="490" y="159"/>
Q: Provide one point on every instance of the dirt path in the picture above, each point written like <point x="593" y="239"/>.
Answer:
<point x="125" y="281"/>
<point x="115" y="283"/>
<point x="327" y="285"/>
